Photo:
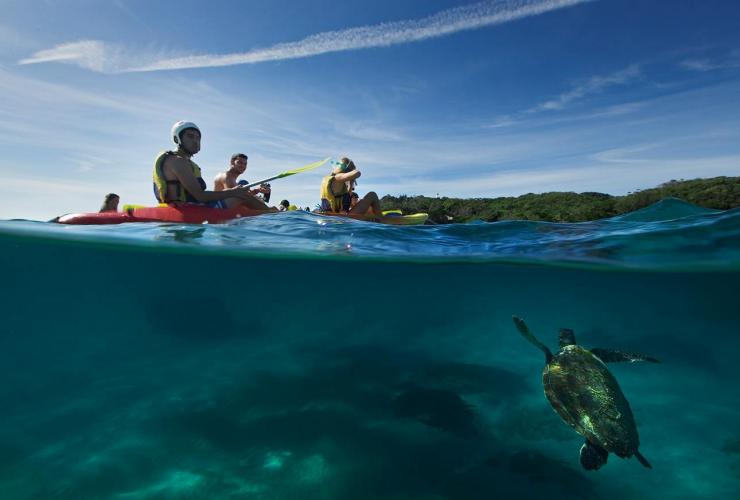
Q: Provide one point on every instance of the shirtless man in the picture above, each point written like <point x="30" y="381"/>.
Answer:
<point x="177" y="178"/>
<point x="336" y="189"/>
<point x="237" y="166"/>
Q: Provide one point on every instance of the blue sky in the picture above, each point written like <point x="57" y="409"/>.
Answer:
<point x="428" y="97"/>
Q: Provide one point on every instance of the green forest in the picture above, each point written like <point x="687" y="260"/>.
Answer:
<point x="719" y="192"/>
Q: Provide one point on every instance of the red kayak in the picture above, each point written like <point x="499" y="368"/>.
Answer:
<point x="188" y="214"/>
<point x="195" y="214"/>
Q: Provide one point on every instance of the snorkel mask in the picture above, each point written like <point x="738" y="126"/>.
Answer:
<point x="346" y="165"/>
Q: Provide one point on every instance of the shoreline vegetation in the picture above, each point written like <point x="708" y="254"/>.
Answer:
<point x="720" y="193"/>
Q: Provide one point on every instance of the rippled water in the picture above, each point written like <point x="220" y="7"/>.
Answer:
<point x="296" y="356"/>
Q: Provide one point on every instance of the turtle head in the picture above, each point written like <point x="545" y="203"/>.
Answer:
<point x="592" y="456"/>
<point x="567" y="337"/>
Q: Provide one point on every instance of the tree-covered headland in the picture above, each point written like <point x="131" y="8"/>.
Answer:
<point x="719" y="192"/>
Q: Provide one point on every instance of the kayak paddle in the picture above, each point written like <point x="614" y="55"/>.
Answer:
<point x="291" y="172"/>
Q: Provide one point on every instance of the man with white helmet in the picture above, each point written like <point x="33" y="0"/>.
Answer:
<point x="177" y="178"/>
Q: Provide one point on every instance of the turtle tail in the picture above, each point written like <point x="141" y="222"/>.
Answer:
<point x="524" y="330"/>
<point x="643" y="460"/>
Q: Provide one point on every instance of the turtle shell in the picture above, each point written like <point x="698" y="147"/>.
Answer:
<point x="587" y="397"/>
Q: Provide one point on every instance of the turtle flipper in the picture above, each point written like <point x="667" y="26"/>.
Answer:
<point x="643" y="460"/>
<point x="524" y="330"/>
<point x="593" y="456"/>
<point x="612" y="356"/>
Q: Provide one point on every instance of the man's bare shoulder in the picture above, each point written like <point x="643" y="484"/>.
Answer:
<point x="175" y="162"/>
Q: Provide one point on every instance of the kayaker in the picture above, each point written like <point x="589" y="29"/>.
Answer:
<point x="110" y="203"/>
<point x="178" y="180"/>
<point x="337" y="188"/>
<point x="228" y="179"/>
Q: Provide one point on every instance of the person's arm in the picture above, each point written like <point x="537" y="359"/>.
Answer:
<point x="344" y="178"/>
<point x="218" y="182"/>
<point x="181" y="169"/>
<point x="347" y="176"/>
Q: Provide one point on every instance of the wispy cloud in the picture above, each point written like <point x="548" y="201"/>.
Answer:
<point x="89" y="54"/>
<point x="624" y="155"/>
<point x="103" y="57"/>
<point x="593" y="85"/>
<point x="616" y="178"/>
<point x="706" y="64"/>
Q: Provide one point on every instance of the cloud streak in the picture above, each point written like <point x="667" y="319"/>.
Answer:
<point x="594" y="85"/>
<point x="705" y="65"/>
<point x="102" y="57"/>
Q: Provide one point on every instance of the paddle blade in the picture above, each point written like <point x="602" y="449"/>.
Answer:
<point x="303" y="169"/>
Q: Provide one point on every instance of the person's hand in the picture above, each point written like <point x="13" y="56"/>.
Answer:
<point x="242" y="192"/>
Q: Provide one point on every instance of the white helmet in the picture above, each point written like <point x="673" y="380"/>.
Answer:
<point x="178" y="127"/>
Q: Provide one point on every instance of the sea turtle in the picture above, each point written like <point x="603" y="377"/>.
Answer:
<point x="587" y="397"/>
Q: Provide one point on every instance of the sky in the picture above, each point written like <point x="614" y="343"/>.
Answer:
<point x="428" y="97"/>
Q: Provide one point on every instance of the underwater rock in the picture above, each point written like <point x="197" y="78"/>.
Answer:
<point x="353" y="380"/>
<point x="209" y="319"/>
<point x="438" y="408"/>
<point x="215" y="427"/>
<point x="535" y="423"/>
<point x="731" y="446"/>
<point x="473" y="379"/>
<point x="10" y="455"/>
<point x="539" y="468"/>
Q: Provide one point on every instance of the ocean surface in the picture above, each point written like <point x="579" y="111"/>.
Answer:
<point x="293" y="356"/>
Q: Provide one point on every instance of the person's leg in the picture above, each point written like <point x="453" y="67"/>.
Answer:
<point x="370" y="200"/>
<point x="255" y="203"/>
<point x="251" y="202"/>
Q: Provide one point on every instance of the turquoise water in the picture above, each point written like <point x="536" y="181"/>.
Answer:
<point x="294" y="356"/>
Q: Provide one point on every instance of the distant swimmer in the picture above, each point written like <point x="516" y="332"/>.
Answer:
<point x="110" y="203"/>
<point x="337" y="188"/>
<point x="587" y="397"/>
<point x="228" y="179"/>
<point x="177" y="178"/>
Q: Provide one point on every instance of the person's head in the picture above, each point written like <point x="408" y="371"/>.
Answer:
<point x="353" y="199"/>
<point x="187" y="137"/>
<point x="345" y="165"/>
<point x="284" y="205"/>
<point x="110" y="203"/>
<point x="239" y="162"/>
